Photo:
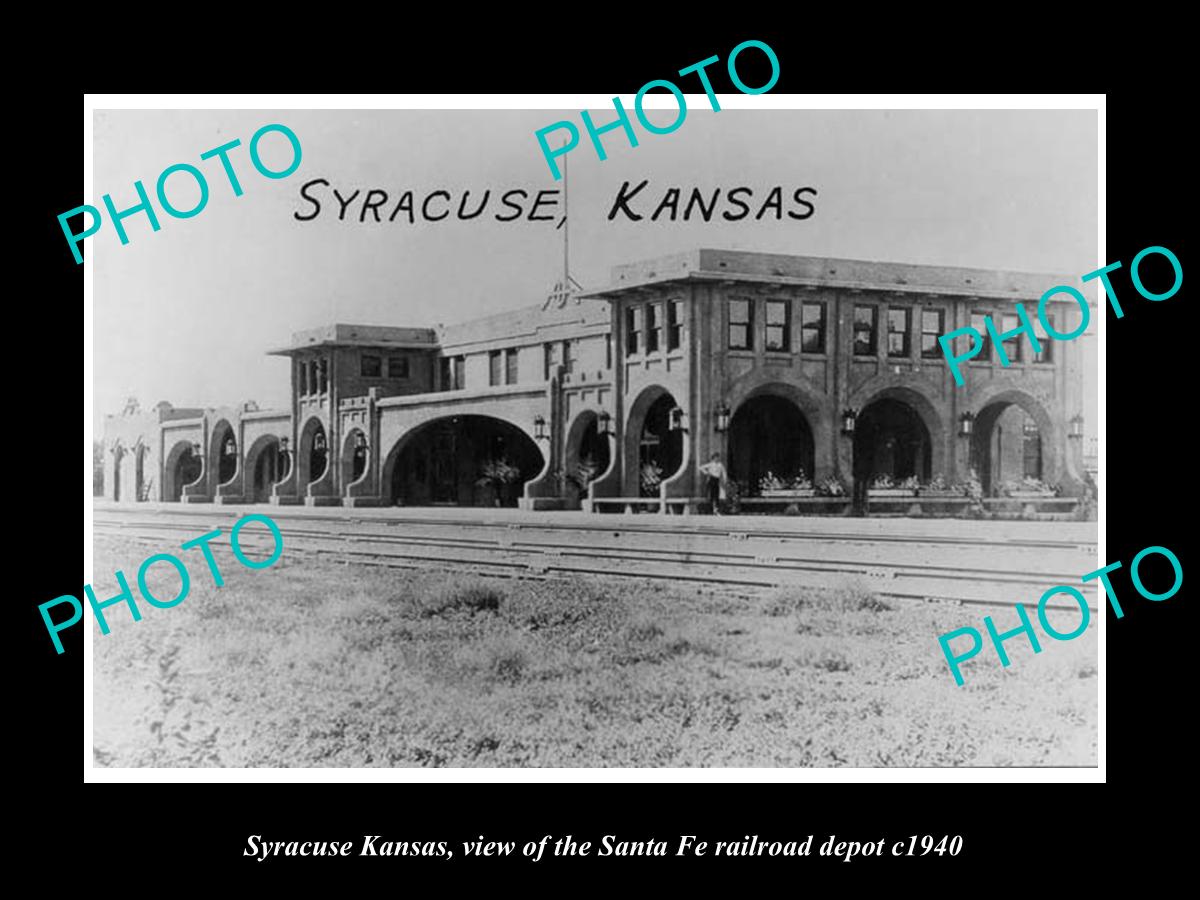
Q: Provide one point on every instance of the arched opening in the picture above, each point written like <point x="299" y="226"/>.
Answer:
<point x="184" y="466"/>
<point x="139" y="474"/>
<point x="226" y="452"/>
<point x="769" y="438"/>
<point x="588" y="453"/>
<point x="462" y="461"/>
<point x="1007" y="448"/>
<point x="891" y="439"/>
<point x="118" y="458"/>
<point x="354" y="456"/>
<point x="660" y="446"/>
<point x="267" y="466"/>
<point x="313" y="452"/>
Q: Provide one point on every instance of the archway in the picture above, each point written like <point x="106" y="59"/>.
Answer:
<point x="118" y="453"/>
<point x="1008" y="445"/>
<point x="891" y="439"/>
<point x="588" y="453"/>
<point x="139" y="473"/>
<point x="354" y="456"/>
<point x="224" y="452"/>
<point x="660" y="446"/>
<point x="183" y="467"/>
<point x="462" y="461"/>
<point x="769" y="434"/>
<point x="267" y="466"/>
<point x="313" y="453"/>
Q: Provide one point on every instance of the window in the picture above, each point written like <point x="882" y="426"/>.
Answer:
<point x="633" y="317"/>
<point x="653" y="327"/>
<point x="898" y="330"/>
<point x="444" y="373"/>
<point x="864" y="330"/>
<point x="608" y="351"/>
<point x="397" y="367"/>
<point x="549" y="359"/>
<point x="372" y="366"/>
<point x="1045" y="356"/>
<point x="977" y="322"/>
<point x="495" y="371"/>
<point x="569" y="355"/>
<point x="741" y="323"/>
<point x="674" y="324"/>
<point x="933" y="322"/>
<point x="812" y="328"/>
<point x="510" y="366"/>
<point x="323" y="374"/>
<point x="303" y="379"/>
<point x="312" y="376"/>
<point x="779" y="325"/>
<point x="1012" y="346"/>
<point x="460" y="367"/>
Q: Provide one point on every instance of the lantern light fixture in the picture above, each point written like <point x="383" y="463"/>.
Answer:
<point x="676" y="419"/>
<point x="1076" y="426"/>
<point x="966" y="424"/>
<point x="848" y="418"/>
<point x="604" y="422"/>
<point x="723" y="418"/>
<point x="539" y="427"/>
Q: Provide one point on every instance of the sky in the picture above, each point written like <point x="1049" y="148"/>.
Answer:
<point x="186" y="314"/>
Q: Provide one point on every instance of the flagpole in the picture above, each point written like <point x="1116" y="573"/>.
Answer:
<point x="566" y="222"/>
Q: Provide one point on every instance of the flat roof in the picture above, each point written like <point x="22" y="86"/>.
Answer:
<point x="345" y="335"/>
<point x="819" y="271"/>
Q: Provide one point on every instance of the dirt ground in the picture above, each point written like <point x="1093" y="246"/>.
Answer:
<point x="312" y="663"/>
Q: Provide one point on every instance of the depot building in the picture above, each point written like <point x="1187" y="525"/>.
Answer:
<point x="796" y="369"/>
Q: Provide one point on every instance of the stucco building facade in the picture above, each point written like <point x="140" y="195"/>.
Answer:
<point x="786" y="365"/>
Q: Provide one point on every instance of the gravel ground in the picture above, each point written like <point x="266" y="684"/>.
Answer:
<point x="313" y="663"/>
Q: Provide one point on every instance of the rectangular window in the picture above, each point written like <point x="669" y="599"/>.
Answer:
<point x="985" y="355"/>
<point x="899" y="319"/>
<point x="653" y="327"/>
<point x="1012" y="347"/>
<point x="444" y="373"/>
<point x="933" y="322"/>
<point x="569" y="351"/>
<point x="510" y="366"/>
<point x="1045" y="356"/>
<point x="460" y="372"/>
<point x="812" y="328"/>
<point x="495" y="368"/>
<point x="397" y="367"/>
<point x="549" y="359"/>
<point x="779" y="325"/>
<point x="303" y="378"/>
<point x="372" y="366"/>
<point x="323" y="370"/>
<point x="608" y="351"/>
<point x="741" y="325"/>
<point x="674" y="324"/>
<point x="633" y="318"/>
<point x="864" y="330"/>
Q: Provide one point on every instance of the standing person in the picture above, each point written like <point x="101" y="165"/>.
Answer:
<point x="715" y="472"/>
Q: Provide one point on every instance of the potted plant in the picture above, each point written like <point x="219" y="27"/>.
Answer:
<point x="940" y="488"/>
<point x="498" y="474"/>
<point x="585" y="473"/>
<point x="883" y="486"/>
<point x="651" y="478"/>
<point x="831" y="486"/>
<point x="771" y="486"/>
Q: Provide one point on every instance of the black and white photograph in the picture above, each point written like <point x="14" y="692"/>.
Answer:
<point x="421" y="442"/>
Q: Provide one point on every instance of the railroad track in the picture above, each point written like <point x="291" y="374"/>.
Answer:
<point x="936" y="563"/>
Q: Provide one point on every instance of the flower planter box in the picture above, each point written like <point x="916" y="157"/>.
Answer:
<point x="1031" y="495"/>
<point x="882" y="493"/>
<point x="789" y="494"/>
<point x="931" y="494"/>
